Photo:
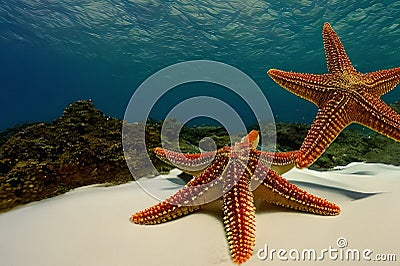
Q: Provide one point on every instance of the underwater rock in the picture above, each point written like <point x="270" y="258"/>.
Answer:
<point x="6" y="134"/>
<point x="80" y="148"/>
<point x="84" y="147"/>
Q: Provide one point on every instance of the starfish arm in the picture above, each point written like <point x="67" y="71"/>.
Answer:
<point x="161" y="213"/>
<point x="280" y="162"/>
<point x="276" y="158"/>
<point x="336" y="58"/>
<point x="312" y="87"/>
<point x="190" y="163"/>
<point x="327" y="125"/>
<point x="239" y="214"/>
<point x="277" y="190"/>
<point x="198" y="191"/>
<point x="379" y="117"/>
<point x="380" y="82"/>
<point x="252" y="139"/>
<point x="188" y="199"/>
<point x="212" y="173"/>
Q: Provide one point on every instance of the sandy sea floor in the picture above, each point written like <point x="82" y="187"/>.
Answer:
<point x="90" y="225"/>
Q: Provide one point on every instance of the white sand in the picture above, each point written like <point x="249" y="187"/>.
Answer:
<point x="90" y="226"/>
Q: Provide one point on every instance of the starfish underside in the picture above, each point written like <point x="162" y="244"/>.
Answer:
<point x="343" y="96"/>
<point x="231" y="173"/>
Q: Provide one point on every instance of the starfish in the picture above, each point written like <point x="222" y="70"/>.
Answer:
<point x="232" y="173"/>
<point x="343" y="96"/>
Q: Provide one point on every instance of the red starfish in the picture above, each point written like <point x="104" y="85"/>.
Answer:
<point x="343" y="96"/>
<point x="232" y="174"/>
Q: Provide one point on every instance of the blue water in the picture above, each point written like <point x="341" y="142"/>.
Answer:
<point x="55" y="52"/>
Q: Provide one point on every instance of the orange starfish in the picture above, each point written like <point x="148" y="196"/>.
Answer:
<point x="232" y="174"/>
<point x="343" y="96"/>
